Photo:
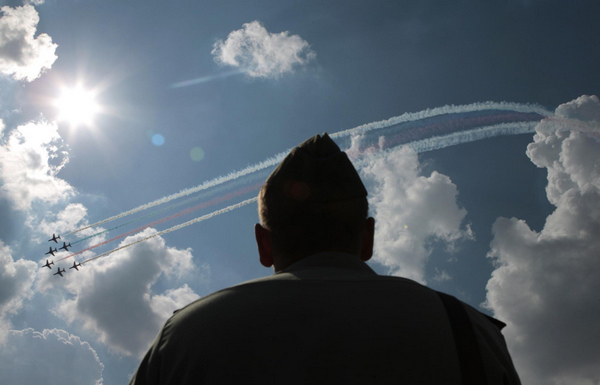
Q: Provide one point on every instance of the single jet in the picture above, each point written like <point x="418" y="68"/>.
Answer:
<point x="75" y="266"/>
<point x="51" y="251"/>
<point x="65" y="246"/>
<point x="54" y="238"/>
<point x="48" y="264"/>
<point x="59" y="272"/>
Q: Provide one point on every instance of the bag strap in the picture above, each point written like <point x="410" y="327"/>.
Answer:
<point x="469" y="356"/>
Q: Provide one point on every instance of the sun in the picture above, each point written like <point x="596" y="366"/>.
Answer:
<point x="77" y="106"/>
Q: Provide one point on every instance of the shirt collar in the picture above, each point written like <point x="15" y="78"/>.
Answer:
<point x="329" y="260"/>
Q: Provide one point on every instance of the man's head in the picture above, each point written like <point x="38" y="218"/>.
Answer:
<point x="313" y="201"/>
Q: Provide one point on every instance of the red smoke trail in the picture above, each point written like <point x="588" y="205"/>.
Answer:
<point x="186" y="211"/>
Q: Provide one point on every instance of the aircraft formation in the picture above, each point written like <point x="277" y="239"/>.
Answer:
<point x="65" y="247"/>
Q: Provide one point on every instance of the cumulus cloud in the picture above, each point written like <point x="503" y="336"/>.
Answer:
<point x="583" y="108"/>
<point x="545" y="285"/>
<point x="72" y="217"/>
<point x="411" y="211"/>
<point x="68" y="219"/>
<point x="22" y="55"/>
<point x="113" y="296"/>
<point x="30" y="158"/>
<point x="260" y="53"/>
<point x="51" y="356"/>
<point x="16" y="278"/>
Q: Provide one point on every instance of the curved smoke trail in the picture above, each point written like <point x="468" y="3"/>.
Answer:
<point x="174" y="228"/>
<point x="207" y="194"/>
<point x="406" y="129"/>
<point x="423" y="131"/>
<point x="168" y="218"/>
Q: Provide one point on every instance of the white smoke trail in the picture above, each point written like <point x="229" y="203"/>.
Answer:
<point x="204" y="79"/>
<point x="453" y="139"/>
<point x="206" y="185"/>
<point x="407" y="117"/>
<point x="473" y="135"/>
<point x="180" y="226"/>
<point x="449" y="109"/>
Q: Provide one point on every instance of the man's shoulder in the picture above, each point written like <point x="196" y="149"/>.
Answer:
<point x="277" y="285"/>
<point x="231" y="292"/>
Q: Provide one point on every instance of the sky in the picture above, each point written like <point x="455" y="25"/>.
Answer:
<point x="148" y="127"/>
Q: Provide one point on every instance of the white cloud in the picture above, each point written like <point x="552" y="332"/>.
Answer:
<point x="30" y="158"/>
<point x="546" y="284"/>
<point x="410" y="211"/>
<point x="260" y="53"/>
<point x="441" y="276"/>
<point x="48" y="357"/>
<point x="22" y="55"/>
<point x="583" y="108"/>
<point x="114" y="297"/>
<point x="16" y="278"/>
<point x="72" y="217"/>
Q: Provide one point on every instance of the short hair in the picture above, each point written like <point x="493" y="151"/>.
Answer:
<point x="302" y="228"/>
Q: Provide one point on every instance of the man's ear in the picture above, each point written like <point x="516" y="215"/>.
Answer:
<point x="265" y="246"/>
<point x="366" y="248"/>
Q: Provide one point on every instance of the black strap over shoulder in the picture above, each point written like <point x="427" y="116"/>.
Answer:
<point x="471" y="363"/>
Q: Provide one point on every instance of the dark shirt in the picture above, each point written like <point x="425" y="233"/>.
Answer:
<point x="326" y="319"/>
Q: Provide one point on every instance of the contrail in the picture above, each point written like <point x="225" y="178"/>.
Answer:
<point x="513" y="110"/>
<point x="206" y="194"/>
<point x="205" y="79"/>
<point x="174" y="228"/>
<point x="445" y="110"/>
<point x="206" y="185"/>
<point x="424" y="131"/>
<point x="174" y="216"/>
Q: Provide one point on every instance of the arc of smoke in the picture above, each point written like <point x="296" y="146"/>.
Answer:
<point x="174" y="228"/>
<point x="206" y="194"/>
<point x="394" y="134"/>
<point x="212" y="183"/>
<point x="449" y="109"/>
<point x="407" y="117"/>
<point x="162" y="220"/>
<point x="436" y="143"/>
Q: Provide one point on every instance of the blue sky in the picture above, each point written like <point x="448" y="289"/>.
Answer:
<point x="187" y="92"/>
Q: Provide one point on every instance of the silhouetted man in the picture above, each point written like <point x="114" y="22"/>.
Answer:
<point x="324" y="317"/>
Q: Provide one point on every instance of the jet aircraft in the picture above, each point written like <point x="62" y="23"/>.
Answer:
<point x="52" y="251"/>
<point x="65" y="246"/>
<point x="75" y="265"/>
<point x="48" y="264"/>
<point x="54" y="238"/>
<point x="59" y="272"/>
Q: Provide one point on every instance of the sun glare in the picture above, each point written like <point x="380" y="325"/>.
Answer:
<point x="77" y="106"/>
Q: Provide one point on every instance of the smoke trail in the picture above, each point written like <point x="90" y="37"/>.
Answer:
<point x="206" y="185"/>
<point x="424" y="131"/>
<point x="445" y="110"/>
<point x="207" y="194"/>
<point x="162" y="220"/>
<point x="513" y="111"/>
<point x="204" y="79"/>
<point x="447" y="130"/>
<point x="174" y="228"/>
